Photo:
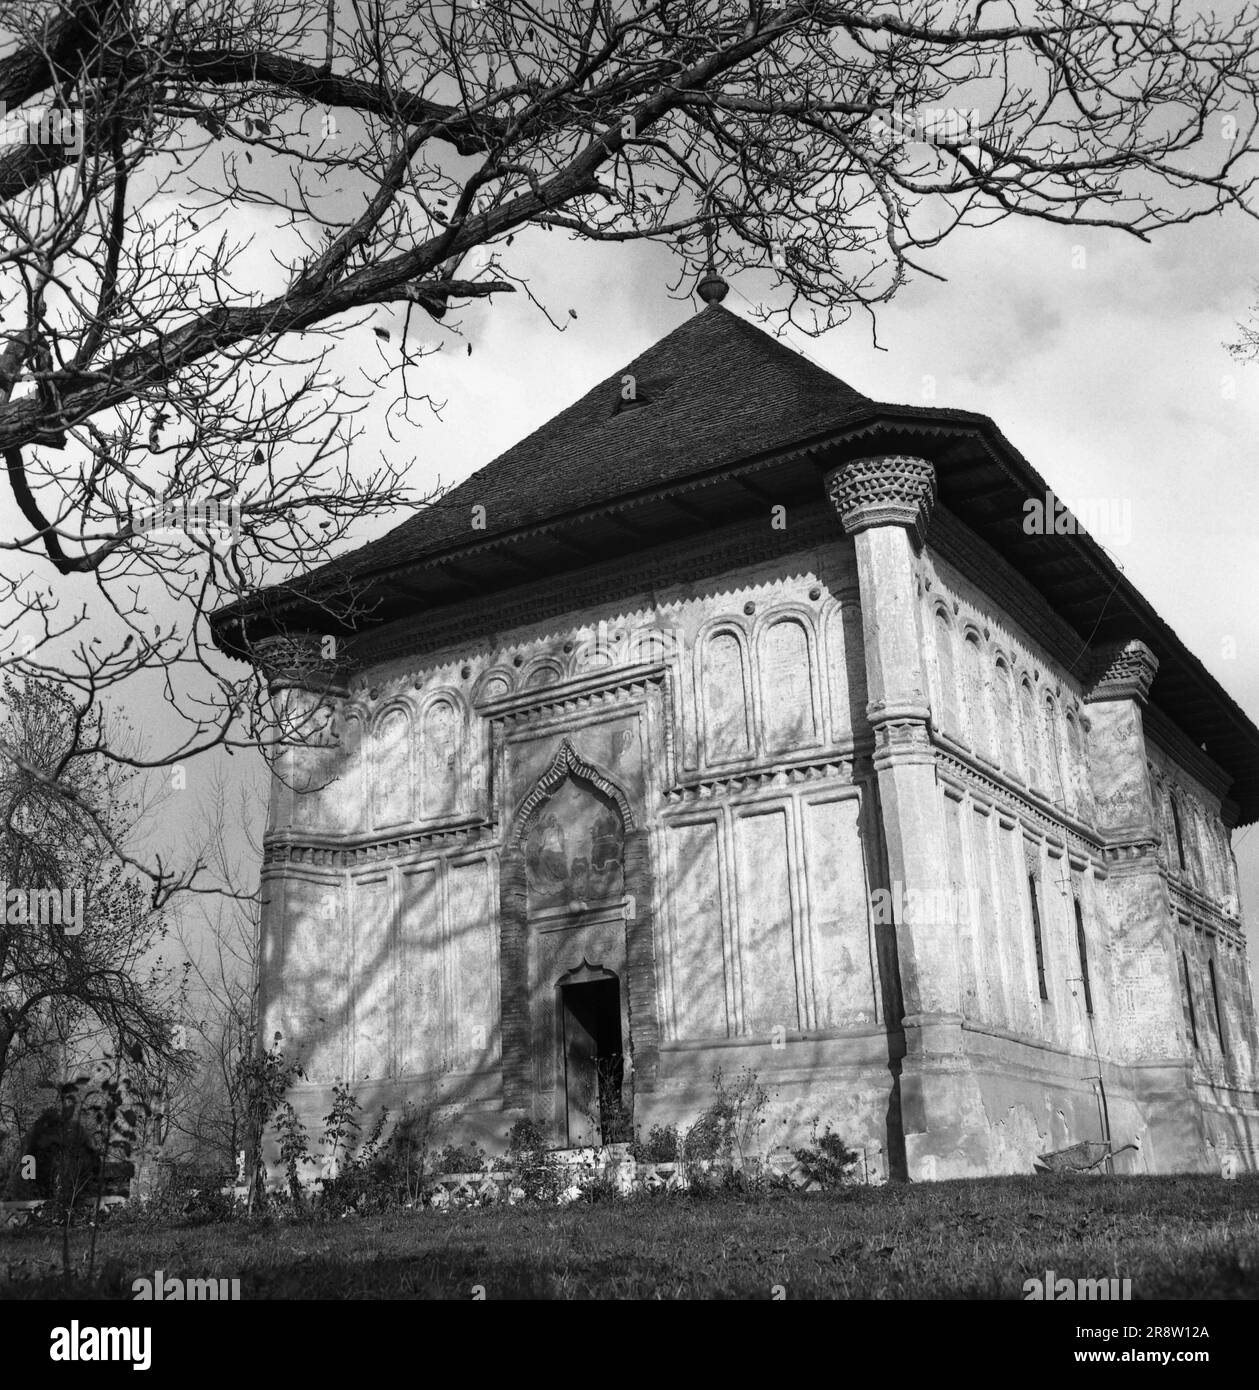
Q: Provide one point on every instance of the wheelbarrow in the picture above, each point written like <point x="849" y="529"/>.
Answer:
<point x="1085" y="1157"/>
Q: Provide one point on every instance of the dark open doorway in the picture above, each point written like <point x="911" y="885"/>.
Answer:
<point x="594" y="1066"/>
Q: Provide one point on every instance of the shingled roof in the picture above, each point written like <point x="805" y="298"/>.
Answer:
<point x="711" y="393"/>
<point x="723" y="420"/>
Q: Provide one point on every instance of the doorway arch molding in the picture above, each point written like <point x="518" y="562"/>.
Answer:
<point x="585" y="973"/>
<point x="568" y="762"/>
<point x="521" y="1010"/>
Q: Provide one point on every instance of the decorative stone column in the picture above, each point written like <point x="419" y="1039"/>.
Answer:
<point x="1148" y="1028"/>
<point x="1121" y="676"/>
<point x="885" y="504"/>
<point x="302" y="669"/>
<point x="305" y="679"/>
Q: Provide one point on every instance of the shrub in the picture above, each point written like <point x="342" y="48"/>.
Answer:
<point x="660" y="1146"/>
<point x="525" y="1137"/>
<point x="262" y="1081"/>
<point x="341" y="1125"/>
<point x="461" y="1158"/>
<point x="529" y="1157"/>
<point x="828" y="1160"/>
<point x="66" y="1160"/>
<point x="600" y="1186"/>
<point x="406" y="1157"/>
<point x="208" y="1206"/>
<point x="362" y="1177"/>
<point x="703" y="1140"/>
<point x="294" y="1151"/>
<point x="726" y="1133"/>
<point x="184" y="1193"/>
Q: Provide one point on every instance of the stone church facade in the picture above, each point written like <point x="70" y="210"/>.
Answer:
<point x="736" y="720"/>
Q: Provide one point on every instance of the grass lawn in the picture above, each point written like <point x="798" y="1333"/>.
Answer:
<point x="1184" y="1237"/>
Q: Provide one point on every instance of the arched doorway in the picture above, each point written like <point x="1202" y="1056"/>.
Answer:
<point x="577" y="955"/>
<point x="591" y="1053"/>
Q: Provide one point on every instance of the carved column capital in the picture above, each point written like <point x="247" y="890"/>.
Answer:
<point x="306" y="680"/>
<point x="884" y="490"/>
<point x="1122" y="671"/>
<point x="308" y="661"/>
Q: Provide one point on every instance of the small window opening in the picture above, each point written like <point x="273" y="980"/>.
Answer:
<point x="1219" y="1016"/>
<point x="1180" y="836"/>
<point x="1040" y="948"/>
<point x="1192" y="1012"/>
<point x="1082" y="946"/>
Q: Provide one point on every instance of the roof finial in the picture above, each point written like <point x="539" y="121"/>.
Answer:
<point x="712" y="288"/>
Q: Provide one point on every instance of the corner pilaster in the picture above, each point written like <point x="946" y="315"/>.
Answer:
<point x="1146" y="1002"/>
<point x="885" y="503"/>
<point x="305" y="680"/>
<point x="302" y="663"/>
<point x="1121" y="676"/>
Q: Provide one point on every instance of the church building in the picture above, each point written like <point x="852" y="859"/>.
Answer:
<point x="734" y="719"/>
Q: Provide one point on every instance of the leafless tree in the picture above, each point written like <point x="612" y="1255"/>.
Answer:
<point x="1245" y="347"/>
<point x="205" y="1110"/>
<point x="91" y="978"/>
<point x="257" y="206"/>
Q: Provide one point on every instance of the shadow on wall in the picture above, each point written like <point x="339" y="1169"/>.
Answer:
<point x="398" y="984"/>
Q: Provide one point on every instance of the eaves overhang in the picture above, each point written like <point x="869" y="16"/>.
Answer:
<point x="982" y="479"/>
